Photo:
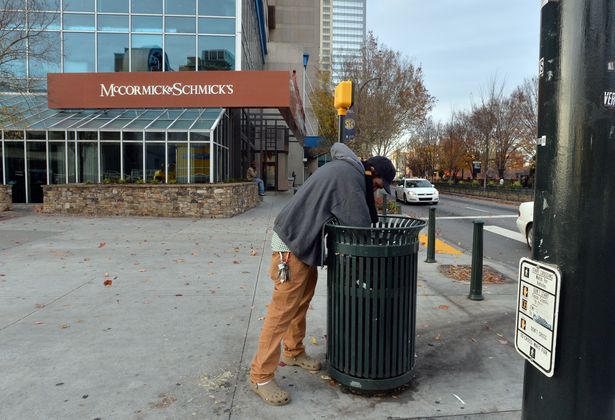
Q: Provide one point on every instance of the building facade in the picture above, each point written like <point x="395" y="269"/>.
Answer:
<point x="40" y="145"/>
<point x="343" y="32"/>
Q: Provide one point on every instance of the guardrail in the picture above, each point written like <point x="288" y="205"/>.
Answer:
<point x="518" y="195"/>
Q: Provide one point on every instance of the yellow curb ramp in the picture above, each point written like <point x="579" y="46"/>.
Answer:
<point x="441" y="246"/>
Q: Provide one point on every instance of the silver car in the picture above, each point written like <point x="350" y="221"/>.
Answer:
<point x="416" y="190"/>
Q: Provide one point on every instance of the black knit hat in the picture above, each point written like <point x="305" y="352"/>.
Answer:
<point x="384" y="169"/>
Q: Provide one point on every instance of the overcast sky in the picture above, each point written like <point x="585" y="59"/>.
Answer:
<point x="461" y="44"/>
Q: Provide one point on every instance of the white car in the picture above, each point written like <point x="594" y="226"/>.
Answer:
<point x="416" y="190"/>
<point x="525" y="221"/>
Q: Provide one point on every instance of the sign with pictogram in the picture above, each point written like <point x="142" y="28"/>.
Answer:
<point x="537" y="309"/>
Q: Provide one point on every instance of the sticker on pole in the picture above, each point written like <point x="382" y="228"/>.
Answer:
<point x="537" y="308"/>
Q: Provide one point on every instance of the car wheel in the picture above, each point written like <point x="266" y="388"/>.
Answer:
<point x="529" y="235"/>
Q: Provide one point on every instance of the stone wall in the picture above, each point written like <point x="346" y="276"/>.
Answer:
<point x="162" y="200"/>
<point x="6" y="197"/>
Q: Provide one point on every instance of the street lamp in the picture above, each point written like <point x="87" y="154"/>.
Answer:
<point x="306" y="58"/>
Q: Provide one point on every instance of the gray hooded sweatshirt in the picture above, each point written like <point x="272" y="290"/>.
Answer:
<point x="336" y="190"/>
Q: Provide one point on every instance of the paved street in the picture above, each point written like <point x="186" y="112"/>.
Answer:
<point x="173" y="333"/>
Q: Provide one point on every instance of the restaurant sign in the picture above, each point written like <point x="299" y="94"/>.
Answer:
<point x="228" y="89"/>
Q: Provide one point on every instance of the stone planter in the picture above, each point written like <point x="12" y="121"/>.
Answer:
<point x="6" y="197"/>
<point x="159" y="200"/>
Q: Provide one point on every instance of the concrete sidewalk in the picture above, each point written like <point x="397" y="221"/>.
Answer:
<point x="172" y="337"/>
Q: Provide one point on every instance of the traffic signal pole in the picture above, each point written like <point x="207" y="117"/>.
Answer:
<point x="574" y="208"/>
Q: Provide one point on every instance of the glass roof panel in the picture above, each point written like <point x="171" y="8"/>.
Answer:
<point x="203" y="124"/>
<point x="181" y="124"/>
<point x="139" y="123"/>
<point x="160" y="124"/>
<point x="118" y="123"/>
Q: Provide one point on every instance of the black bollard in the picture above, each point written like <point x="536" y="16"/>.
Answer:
<point x="431" y="237"/>
<point x="476" y="282"/>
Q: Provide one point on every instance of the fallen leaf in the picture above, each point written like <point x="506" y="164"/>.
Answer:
<point x="437" y="337"/>
<point x="39" y="322"/>
<point x="64" y="326"/>
<point x="503" y="341"/>
<point x="325" y="377"/>
<point x="313" y="341"/>
<point x="102" y="244"/>
<point x="261" y="318"/>
<point x="142" y="270"/>
<point x="108" y="282"/>
<point x="39" y="306"/>
<point x="282" y="364"/>
<point x="236" y="262"/>
<point x="441" y="307"/>
<point x="253" y="252"/>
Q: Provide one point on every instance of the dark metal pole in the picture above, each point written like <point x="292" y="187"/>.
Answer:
<point x="476" y="281"/>
<point x="431" y="236"/>
<point x="385" y="202"/>
<point x="574" y="211"/>
<point x="340" y="138"/>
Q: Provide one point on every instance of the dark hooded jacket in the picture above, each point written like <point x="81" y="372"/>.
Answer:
<point x="336" y="190"/>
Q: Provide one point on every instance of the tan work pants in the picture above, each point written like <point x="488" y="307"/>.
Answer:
<point x="285" y="319"/>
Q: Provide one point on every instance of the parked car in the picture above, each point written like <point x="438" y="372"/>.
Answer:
<point x="416" y="190"/>
<point x="525" y="221"/>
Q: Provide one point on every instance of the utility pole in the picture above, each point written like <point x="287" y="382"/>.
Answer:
<point x="574" y="208"/>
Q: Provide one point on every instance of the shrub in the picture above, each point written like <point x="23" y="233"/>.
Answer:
<point x="475" y="183"/>
<point x="139" y="181"/>
<point x="517" y="184"/>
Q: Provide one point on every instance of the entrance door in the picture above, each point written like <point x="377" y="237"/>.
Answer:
<point x="37" y="171"/>
<point x="16" y="170"/>
<point x="270" y="173"/>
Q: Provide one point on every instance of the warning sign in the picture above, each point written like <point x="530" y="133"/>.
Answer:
<point x="537" y="309"/>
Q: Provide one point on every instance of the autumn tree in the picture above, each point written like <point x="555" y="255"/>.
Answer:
<point x="390" y="99"/>
<point x="453" y="145"/>
<point x="321" y="99"/>
<point x="423" y="149"/>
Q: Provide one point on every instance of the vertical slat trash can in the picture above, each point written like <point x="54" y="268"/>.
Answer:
<point x="371" y="302"/>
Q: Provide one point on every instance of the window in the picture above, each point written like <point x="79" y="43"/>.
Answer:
<point x="79" y="5"/>
<point x="88" y="162"/>
<point x="216" y="26"/>
<point x="180" y="25"/>
<point x="110" y="161"/>
<point x="217" y="7"/>
<point x="57" y="163"/>
<point x="216" y="52"/>
<point x="78" y="22"/>
<point x="147" y="23"/>
<point x="146" y="53"/>
<point x="113" y="6"/>
<point x="147" y="6"/>
<point x="112" y="52"/>
<point x="79" y="52"/>
<point x="181" y="52"/>
<point x="45" y="54"/>
<point x="154" y="161"/>
<point x="113" y="23"/>
<point x="181" y="7"/>
<point x="133" y="161"/>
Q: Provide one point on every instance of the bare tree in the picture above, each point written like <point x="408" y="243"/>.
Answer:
<point x="390" y="97"/>
<point x="23" y="25"/>
<point x="526" y="99"/>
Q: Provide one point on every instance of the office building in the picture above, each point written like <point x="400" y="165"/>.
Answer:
<point x="164" y="137"/>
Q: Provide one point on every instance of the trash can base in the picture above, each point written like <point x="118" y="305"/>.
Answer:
<point x="362" y="384"/>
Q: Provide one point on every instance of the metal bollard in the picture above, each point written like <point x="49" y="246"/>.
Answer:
<point x="431" y="237"/>
<point x="476" y="282"/>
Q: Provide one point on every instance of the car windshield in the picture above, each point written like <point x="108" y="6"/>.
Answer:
<point x="418" y="183"/>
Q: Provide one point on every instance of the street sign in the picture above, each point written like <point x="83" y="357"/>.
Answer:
<point x="537" y="309"/>
<point x="349" y="125"/>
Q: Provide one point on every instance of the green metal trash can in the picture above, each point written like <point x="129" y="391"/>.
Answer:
<point x="371" y="302"/>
